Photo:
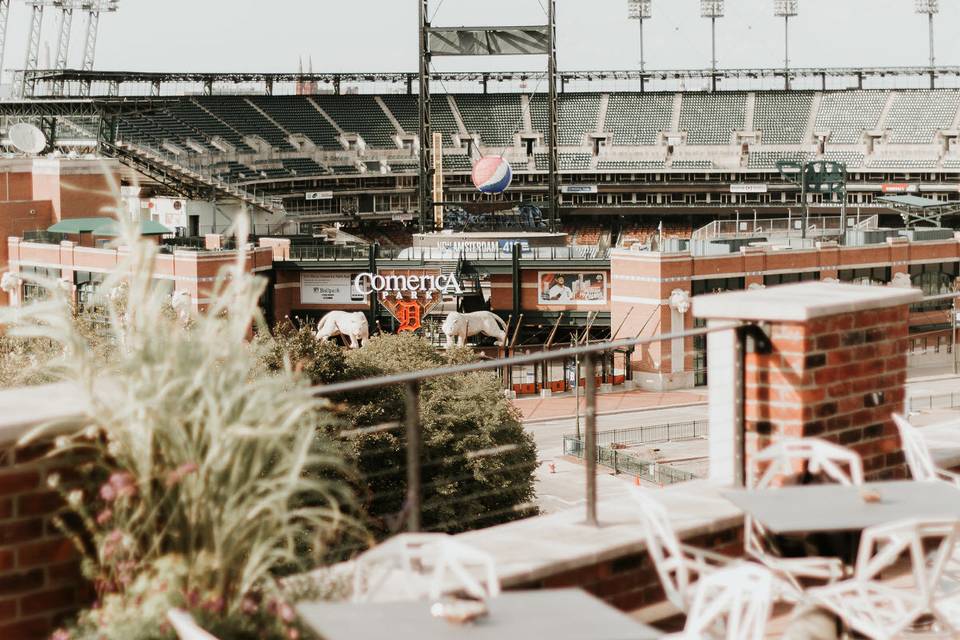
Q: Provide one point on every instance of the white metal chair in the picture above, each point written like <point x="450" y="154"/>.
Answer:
<point x="784" y="460"/>
<point x="882" y="610"/>
<point x="733" y="603"/>
<point x="423" y="565"/>
<point x="185" y="626"/>
<point x="917" y="454"/>
<point x="678" y="565"/>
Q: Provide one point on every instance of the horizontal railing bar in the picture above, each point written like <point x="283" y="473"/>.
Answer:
<point x="532" y="358"/>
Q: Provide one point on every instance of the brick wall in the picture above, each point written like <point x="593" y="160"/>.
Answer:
<point x="839" y="378"/>
<point x="40" y="581"/>
<point x="629" y="581"/>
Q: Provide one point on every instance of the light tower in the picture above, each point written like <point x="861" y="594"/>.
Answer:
<point x="930" y="8"/>
<point x="785" y="9"/>
<point x="639" y="10"/>
<point x="712" y="9"/>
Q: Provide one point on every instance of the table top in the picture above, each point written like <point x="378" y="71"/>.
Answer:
<point x="835" y="507"/>
<point x="558" y="614"/>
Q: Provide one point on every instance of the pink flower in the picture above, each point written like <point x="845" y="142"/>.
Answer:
<point x="104" y="516"/>
<point x="108" y="493"/>
<point x="111" y="542"/>
<point x="181" y="472"/>
<point x="60" y="634"/>
<point x="286" y="612"/>
<point x="124" y="484"/>
<point x="248" y="606"/>
<point x="213" y="604"/>
<point x="293" y="634"/>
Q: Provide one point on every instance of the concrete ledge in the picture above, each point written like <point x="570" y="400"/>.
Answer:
<point x="800" y="302"/>
<point x="538" y="548"/>
<point x="25" y="408"/>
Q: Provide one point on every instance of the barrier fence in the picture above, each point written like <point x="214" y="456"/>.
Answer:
<point x="940" y="401"/>
<point x="629" y="463"/>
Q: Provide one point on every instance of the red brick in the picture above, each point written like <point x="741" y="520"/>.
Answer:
<point x="20" y="531"/>
<point x="39" y="504"/>
<point x="21" y="582"/>
<point x="12" y="483"/>
<point x="27" y="629"/>
<point x="46" y="552"/>
<point x="48" y="601"/>
<point x="7" y="559"/>
<point x="8" y="609"/>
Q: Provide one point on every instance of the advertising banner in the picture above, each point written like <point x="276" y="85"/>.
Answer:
<point x="572" y="287"/>
<point x="328" y="288"/>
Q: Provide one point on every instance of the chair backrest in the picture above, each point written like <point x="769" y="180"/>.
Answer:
<point x="735" y="601"/>
<point x="665" y="550"/>
<point x="928" y="544"/>
<point x="791" y="456"/>
<point x="416" y="566"/>
<point x="185" y="626"/>
<point x="915" y="450"/>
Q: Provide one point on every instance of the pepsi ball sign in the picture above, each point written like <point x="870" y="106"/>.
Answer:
<point x="492" y="174"/>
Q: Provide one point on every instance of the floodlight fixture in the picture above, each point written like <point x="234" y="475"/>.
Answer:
<point x="929" y="8"/>
<point x="711" y="8"/>
<point x="785" y="8"/>
<point x="638" y="9"/>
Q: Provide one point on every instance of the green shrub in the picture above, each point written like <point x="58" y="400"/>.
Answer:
<point x="460" y="416"/>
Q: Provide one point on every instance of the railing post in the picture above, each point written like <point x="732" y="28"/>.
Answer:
<point x="591" y="438"/>
<point x="413" y="455"/>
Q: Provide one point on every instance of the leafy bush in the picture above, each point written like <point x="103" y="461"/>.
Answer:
<point x="461" y="415"/>
<point x="207" y="477"/>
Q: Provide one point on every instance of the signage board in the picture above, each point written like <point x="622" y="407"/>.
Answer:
<point x="319" y="195"/>
<point x="398" y="285"/>
<point x="328" y="288"/>
<point x="899" y="187"/>
<point x="748" y="188"/>
<point x="572" y="287"/>
<point x="578" y="188"/>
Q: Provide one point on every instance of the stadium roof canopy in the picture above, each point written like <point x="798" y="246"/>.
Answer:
<point x="914" y="209"/>
<point x="105" y="227"/>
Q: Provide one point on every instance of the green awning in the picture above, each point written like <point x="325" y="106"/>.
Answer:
<point x="105" y="227"/>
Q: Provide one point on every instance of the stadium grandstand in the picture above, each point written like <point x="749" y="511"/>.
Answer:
<point x="633" y="154"/>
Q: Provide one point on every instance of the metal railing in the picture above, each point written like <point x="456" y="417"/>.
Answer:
<point x="652" y="433"/>
<point x="931" y="402"/>
<point x="628" y="463"/>
<point x="788" y="227"/>
<point x="437" y="254"/>
<point x="588" y="356"/>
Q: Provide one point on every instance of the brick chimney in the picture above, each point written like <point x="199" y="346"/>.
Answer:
<point x="825" y="360"/>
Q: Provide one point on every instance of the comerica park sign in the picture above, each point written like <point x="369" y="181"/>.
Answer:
<point x="408" y="298"/>
<point x="367" y="283"/>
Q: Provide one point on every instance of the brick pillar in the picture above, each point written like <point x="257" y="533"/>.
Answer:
<point x="835" y="366"/>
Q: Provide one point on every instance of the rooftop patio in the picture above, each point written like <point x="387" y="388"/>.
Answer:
<point x="807" y="373"/>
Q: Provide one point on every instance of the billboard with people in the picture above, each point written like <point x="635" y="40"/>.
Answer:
<point x="572" y="287"/>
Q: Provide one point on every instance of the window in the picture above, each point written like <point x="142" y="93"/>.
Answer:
<point x="717" y="285"/>
<point x="877" y="276"/>
<point x="88" y="283"/>
<point x="934" y="279"/>
<point x="775" y="279"/>
<point x="32" y="290"/>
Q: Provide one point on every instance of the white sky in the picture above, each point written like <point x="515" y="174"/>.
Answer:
<point x="368" y="35"/>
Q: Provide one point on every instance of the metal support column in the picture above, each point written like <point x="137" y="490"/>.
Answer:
<point x="63" y="45"/>
<point x="713" y="53"/>
<point x="554" y="160"/>
<point x="426" y="166"/>
<point x="933" y="61"/>
<point x="590" y="441"/>
<point x="4" y="21"/>
<point x="412" y="419"/>
<point x="786" y="52"/>
<point x="29" y="83"/>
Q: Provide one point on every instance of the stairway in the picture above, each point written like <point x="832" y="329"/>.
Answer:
<point x="184" y="179"/>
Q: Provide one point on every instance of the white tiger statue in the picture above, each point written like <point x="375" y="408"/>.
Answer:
<point x="461" y="326"/>
<point x="343" y="323"/>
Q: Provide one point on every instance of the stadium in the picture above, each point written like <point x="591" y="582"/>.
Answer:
<point x="432" y="353"/>
<point x="698" y="169"/>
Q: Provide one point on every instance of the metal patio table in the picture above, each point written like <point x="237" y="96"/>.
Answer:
<point x="834" y="507"/>
<point x="558" y="614"/>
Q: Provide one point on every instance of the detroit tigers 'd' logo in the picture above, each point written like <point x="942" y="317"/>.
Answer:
<point x="408" y="313"/>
